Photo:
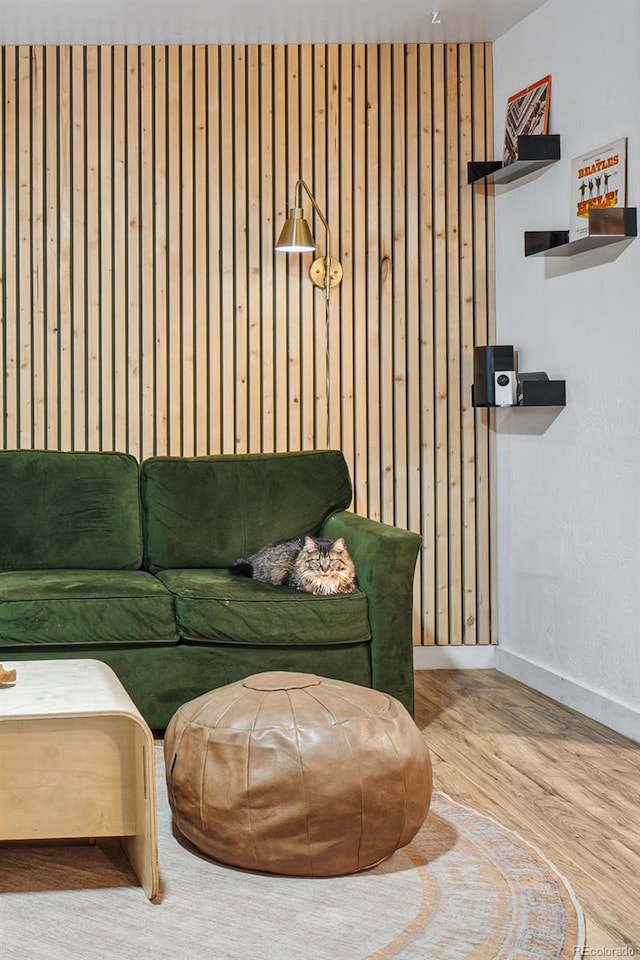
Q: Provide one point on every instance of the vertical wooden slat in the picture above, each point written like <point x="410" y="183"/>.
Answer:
<point x="38" y="270"/>
<point x="147" y="255"/>
<point x="24" y="314"/>
<point x="453" y="347"/>
<point x="399" y="288"/>
<point x="92" y="207"/>
<point x="357" y="266"/>
<point x="175" y="436"/>
<point x="214" y="256"/>
<point x="120" y="365"/>
<point x="240" y="267"/>
<point x="487" y="582"/>
<point x="10" y="385"/>
<point x="374" y="268"/>
<point x="320" y="316"/>
<point x="291" y="359"/>
<point x="227" y="234"/>
<point x="467" y="438"/>
<point x="440" y="387"/>
<point x="78" y="264"/>
<point x="283" y="192"/>
<point x="5" y="137"/>
<point x="345" y="246"/>
<point x="144" y="308"/>
<point x="132" y="250"/>
<point x="255" y="242"/>
<point x="428" y="525"/>
<point x="106" y="250"/>
<point x="385" y="228"/>
<point x="201" y="391"/>
<point x="185" y="189"/>
<point x="307" y="291"/>
<point x="161" y="241"/>
<point x="65" y="375"/>
<point x="268" y="238"/>
<point x="412" y="307"/>
<point x="331" y="208"/>
<point x="52" y="252"/>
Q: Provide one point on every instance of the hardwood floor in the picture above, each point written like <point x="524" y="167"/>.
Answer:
<point x="565" y="783"/>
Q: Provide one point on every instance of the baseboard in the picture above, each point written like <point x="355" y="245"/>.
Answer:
<point x="616" y="716"/>
<point x="472" y="657"/>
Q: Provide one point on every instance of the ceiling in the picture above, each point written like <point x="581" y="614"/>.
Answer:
<point x="258" y="21"/>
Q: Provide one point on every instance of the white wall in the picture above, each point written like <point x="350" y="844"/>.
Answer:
<point x="568" y="489"/>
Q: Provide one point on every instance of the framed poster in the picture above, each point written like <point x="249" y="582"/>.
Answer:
<point x="598" y="179"/>
<point x="527" y="114"/>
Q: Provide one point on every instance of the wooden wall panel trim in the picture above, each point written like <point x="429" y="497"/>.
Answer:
<point x="143" y="306"/>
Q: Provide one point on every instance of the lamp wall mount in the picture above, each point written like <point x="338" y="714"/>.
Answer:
<point x="318" y="272"/>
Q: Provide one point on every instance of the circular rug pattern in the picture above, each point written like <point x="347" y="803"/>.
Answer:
<point x="465" y="888"/>
<point x="486" y="894"/>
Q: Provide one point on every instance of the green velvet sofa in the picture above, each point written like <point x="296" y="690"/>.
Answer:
<point x="128" y="563"/>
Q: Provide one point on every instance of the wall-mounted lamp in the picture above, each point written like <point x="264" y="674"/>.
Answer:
<point x="296" y="237"/>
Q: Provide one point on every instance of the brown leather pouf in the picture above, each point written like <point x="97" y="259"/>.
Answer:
<point x="295" y="774"/>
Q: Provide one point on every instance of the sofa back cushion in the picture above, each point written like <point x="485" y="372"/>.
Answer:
<point x="69" y="510"/>
<point x="207" y="511"/>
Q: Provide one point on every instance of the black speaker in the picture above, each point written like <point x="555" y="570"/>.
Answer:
<point x="486" y="361"/>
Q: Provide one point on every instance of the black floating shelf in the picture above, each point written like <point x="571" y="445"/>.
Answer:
<point x="532" y="393"/>
<point x="542" y="393"/>
<point x="534" y="152"/>
<point x="607" y="225"/>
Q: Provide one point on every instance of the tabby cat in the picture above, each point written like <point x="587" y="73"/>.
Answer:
<point x="311" y="564"/>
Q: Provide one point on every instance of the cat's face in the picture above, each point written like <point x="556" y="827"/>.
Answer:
<point x="325" y="567"/>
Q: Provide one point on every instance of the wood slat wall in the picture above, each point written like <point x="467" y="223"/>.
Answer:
<point x="144" y="308"/>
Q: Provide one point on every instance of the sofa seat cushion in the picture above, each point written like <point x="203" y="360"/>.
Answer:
<point x="84" y="608"/>
<point x="220" y="607"/>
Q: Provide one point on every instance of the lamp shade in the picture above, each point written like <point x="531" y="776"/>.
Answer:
<point x="296" y="236"/>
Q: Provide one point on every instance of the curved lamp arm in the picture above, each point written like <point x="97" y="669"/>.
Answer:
<point x="324" y="271"/>
<point x="303" y="185"/>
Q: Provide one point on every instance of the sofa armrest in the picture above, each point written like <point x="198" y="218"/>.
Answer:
<point x="385" y="559"/>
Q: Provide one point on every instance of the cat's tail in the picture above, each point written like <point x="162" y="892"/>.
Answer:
<point x="243" y="567"/>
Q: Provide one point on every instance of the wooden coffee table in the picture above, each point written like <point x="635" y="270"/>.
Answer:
<point x="77" y="760"/>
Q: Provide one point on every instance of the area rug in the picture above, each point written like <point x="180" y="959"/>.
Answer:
<point x="465" y="888"/>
